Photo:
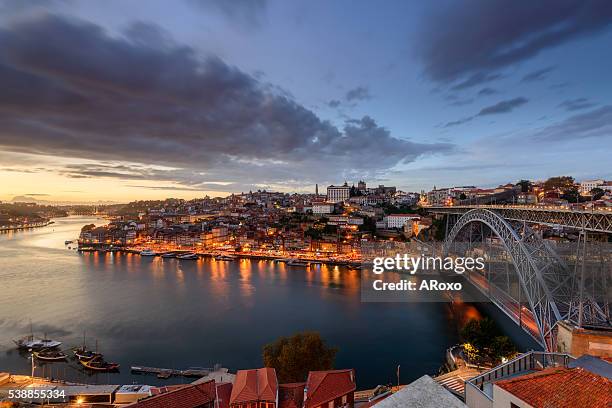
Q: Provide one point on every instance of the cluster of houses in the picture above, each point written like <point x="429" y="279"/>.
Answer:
<point x="531" y="380"/>
<point x="536" y="193"/>
<point x="262" y="220"/>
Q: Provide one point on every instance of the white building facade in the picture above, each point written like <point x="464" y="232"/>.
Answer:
<point x="338" y="194"/>
<point x="399" y="220"/>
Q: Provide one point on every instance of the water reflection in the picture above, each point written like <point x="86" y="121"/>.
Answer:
<point x="197" y="313"/>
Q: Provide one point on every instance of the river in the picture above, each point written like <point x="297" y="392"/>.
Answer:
<point x="178" y="314"/>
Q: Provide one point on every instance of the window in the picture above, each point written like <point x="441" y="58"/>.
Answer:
<point x="512" y="405"/>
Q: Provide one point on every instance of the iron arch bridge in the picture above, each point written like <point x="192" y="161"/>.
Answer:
<point x="524" y="277"/>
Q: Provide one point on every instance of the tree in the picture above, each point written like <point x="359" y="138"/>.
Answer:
<point x="293" y="357"/>
<point x="525" y="185"/>
<point x="502" y="346"/>
<point x="597" y="193"/>
<point x="561" y="183"/>
<point x="571" y="195"/>
<point x="487" y="340"/>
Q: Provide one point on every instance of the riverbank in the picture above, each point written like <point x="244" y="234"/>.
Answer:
<point x="27" y="226"/>
<point x="287" y="257"/>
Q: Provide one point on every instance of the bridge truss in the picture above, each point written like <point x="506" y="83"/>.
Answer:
<point x="525" y="276"/>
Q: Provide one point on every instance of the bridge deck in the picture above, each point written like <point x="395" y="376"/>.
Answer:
<point x="597" y="220"/>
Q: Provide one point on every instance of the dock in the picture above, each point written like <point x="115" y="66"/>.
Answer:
<point x="170" y="372"/>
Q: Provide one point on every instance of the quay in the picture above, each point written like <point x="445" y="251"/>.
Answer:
<point x="238" y="255"/>
<point x="170" y="372"/>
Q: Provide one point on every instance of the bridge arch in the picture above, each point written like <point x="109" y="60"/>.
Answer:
<point x="541" y="277"/>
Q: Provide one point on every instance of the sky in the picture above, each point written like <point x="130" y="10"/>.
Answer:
<point x="123" y="99"/>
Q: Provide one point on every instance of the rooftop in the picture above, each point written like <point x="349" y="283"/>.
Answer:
<point x="561" y="388"/>
<point x="422" y="393"/>
<point x="255" y="385"/>
<point x="291" y="395"/>
<point x="190" y="396"/>
<point x="325" y="386"/>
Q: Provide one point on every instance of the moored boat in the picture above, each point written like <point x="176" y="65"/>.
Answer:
<point x="31" y="343"/>
<point x="83" y="354"/>
<point x="297" y="262"/>
<point x="224" y="258"/>
<point x="98" y="364"/>
<point x="148" y="252"/>
<point x="50" y="355"/>
<point x="190" y="255"/>
<point x="170" y="254"/>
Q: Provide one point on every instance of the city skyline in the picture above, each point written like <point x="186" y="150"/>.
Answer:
<point x="212" y="97"/>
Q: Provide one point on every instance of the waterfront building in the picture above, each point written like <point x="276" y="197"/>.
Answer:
<point x="255" y="388"/>
<point x="338" y="194"/>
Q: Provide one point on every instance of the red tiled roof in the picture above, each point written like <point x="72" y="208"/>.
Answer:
<point x="325" y="386"/>
<point x="254" y="385"/>
<point x="561" y="388"/>
<point x="224" y="392"/>
<point x="291" y="395"/>
<point x="184" y="397"/>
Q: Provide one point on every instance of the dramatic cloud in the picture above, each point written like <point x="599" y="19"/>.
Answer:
<point x="483" y="36"/>
<point x="141" y="98"/>
<point x="360" y="93"/>
<point x="476" y="79"/>
<point x="487" y="92"/>
<point x="538" y="75"/>
<point x="503" y="106"/>
<point x="500" y="107"/>
<point x="593" y="124"/>
<point x="244" y="12"/>
<point x="334" y="103"/>
<point x="571" y="105"/>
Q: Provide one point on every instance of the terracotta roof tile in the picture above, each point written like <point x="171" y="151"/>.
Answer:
<point x="325" y="386"/>
<point x="224" y="392"/>
<point x="291" y="395"/>
<point x="255" y="385"/>
<point x="561" y="388"/>
<point x="184" y="397"/>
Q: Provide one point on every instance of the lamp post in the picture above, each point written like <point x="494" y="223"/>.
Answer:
<point x="398" y="375"/>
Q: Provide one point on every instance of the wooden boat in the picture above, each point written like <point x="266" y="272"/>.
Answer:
<point x="98" y="364"/>
<point x="83" y="354"/>
<point x="50" y="355"/>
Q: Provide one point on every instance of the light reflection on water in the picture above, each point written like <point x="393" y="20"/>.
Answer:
<point x="171" y="313"/>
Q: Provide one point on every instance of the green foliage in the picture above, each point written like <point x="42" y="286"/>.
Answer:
<point x="561" y="183"/>
<point x="571" y="195"/>
<point x="31" y="210"/>
<point x="293" y="357"/>
<point x="525" y="185"/>
<point x="313" y="233"/>
<point x="402" y="209"/>
<point x="488" y="341"/>
<point x="439" y="228"/>
<point x="597" y="193"/>
<point x="369" y="225"/>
